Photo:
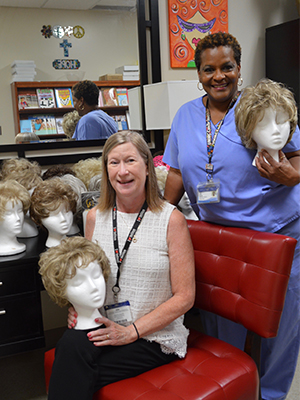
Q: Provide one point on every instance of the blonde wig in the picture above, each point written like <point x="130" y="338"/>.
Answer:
<point x="161" y="176"/>
<point x="59" y="263"/>
<point x="48" y="196"/>
<point x="27" y="178"/>
<point x="26" y="137"/>
<point x="13" y="191"/>
<point x="69" y="123"/>
<point x="85" y="170"/>
<point x="253" y="103"/>
<point x="18" y="165"/>
<point x="107" y="193"/>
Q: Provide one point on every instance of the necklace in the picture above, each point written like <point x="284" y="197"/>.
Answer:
<point x="134" y="239"/>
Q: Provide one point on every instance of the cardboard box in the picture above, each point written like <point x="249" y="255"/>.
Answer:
<point x="111" y="77"/>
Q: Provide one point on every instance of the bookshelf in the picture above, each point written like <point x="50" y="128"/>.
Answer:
<point x="23" y="88"/>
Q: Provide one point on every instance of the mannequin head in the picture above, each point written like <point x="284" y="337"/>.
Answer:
<point x="14" y="203"/>
<point x="53" y="204"/>
<point x="74" y="272"/>
<point x="266" y="116"/>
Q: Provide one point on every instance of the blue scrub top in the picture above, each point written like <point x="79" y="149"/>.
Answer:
<point x="95" y="125"/>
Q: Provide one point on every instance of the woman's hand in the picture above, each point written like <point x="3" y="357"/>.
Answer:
<point x="72" y="315"/>
<point x="285" y="171"/>
<point x="113" y="334"/>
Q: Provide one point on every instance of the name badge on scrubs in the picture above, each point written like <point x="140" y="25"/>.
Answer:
<point x="120" y="313"/>
<point x="208" y="192"/>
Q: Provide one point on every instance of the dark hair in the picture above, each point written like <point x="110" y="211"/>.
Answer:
<point x="216" y="40"/>
<point x="88" y="90"/>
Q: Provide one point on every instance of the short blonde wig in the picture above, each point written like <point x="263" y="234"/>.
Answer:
<point x="253" y="103"/>
<point x="17" y="166"/>
<point x="48" y="196"/>
<point x="13" y="191"/>
<point x="27" y="178"/>
<point x="59" y="263"/>
<point x="107" y="193"/>
<point x="85" y="170"/>
<point x="69" y="123"/>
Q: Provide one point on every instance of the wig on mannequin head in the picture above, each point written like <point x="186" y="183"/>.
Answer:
<point x="18" y="166"/>
<point x="27" y="178"/>
<point x="57" y="171"/>
<point x="85" y="170"/>
<point x="59" y="263"/>
<point x="253" y="103"/>
<point x="13" y="191"/>
<point x="69" y="123"/>
<point x="48" y="196"/>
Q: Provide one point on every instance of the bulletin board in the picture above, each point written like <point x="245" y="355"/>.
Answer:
<point x="189" y="22"/>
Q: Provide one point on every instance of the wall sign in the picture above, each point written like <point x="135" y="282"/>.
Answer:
<point x="66" y="64"/>
<point x="59" y="31"/>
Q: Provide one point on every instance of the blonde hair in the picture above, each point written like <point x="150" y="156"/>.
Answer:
<point x="69" y="123"/>
<point x="16" y="166"/>
<point x="13" y="191"/>
<point x="59" y="263"/>
<point x="48" y="196"/>
<point x="253" y="103"/>
<point x="107" y="193"/>
<point x="87" y="169"/>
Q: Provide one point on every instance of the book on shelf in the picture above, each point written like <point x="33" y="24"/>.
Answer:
<point x="131" y="77"/>
<point x="109" y="97"/>
<point x="43" y="124"/>
<point x="111" y="77"/>
<point x="121" y="122"/>
<point x="28" y="100"/>
<point x="25" y="125"/>
<point x="45" y="98"/>
<point x="122" y="96"/>
<point x="59" y="126"/>
<point x="64" y="97"/>
<point x="100" y="99"/>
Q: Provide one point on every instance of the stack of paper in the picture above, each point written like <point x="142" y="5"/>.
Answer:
<point x="23" y="70"/>
<point x="129" y="72"/>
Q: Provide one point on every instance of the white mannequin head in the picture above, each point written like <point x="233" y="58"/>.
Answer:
<point x="266" y="117"/>
<point x="272" y="132"/>
<point x="53" y="204"/>
<point x="14" y="202"/>
<point x="58" y="224"/>
<point x="74" y="272"/>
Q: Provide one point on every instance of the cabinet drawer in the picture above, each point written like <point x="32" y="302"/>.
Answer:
<point x="17" y="280"/>
<point x="20" y="318"/>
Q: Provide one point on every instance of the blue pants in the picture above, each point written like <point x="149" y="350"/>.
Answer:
<point x="279" y="355"/>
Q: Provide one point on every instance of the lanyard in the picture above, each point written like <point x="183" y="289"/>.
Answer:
<point x="211" y="141"/>
<point x="120" y="258"/>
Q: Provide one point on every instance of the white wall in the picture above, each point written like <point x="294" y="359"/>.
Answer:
<point x="247" y="21"/>
<point x="110" y="41"/>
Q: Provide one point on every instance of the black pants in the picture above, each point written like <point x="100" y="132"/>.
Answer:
<point x="80" y="368"/>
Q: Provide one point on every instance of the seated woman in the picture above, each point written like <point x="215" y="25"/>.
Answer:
<point x="266" y="118"/>
<point x="151" y="285"/>
<point x="74" y="272"/>
<point x="53" y="204"/>
<point x="14" y="203"/>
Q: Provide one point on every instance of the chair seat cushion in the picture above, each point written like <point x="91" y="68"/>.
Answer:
<point x="211" y="370"/>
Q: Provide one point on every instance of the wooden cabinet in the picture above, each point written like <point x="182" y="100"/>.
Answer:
<point x="19" y="88"/>
<point x="21" y="324"/>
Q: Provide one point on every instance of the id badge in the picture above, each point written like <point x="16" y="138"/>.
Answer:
<point x="120" y="313"/>
<point x="208" y="192"/>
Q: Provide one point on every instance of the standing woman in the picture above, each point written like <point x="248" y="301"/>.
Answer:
<point x="151" y="285"/>
<point x="210" y="163"/>
<point x="94" y="123"/>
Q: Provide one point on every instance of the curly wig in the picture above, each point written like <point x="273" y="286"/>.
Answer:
<point x="59" y="263"/>
<point x="13" y="191"/>
<point x="48" y="196"/>
<point x="253" y="103"/>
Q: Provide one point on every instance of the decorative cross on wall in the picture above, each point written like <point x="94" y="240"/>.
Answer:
<point x="65" y="45"/>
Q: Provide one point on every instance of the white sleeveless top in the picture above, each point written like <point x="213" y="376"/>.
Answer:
<point x="145" y="271"/>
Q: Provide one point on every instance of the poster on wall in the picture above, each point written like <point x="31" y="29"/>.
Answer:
<point x="189" y="22"/>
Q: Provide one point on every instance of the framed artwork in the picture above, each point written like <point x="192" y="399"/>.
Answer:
<point x="189" y="22"/>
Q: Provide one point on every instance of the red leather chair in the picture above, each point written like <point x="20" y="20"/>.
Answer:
<point x="242" y="275"/>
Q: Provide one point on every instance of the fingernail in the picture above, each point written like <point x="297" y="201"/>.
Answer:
<point x="89" y="335"/>
<point x="72" y="325"/>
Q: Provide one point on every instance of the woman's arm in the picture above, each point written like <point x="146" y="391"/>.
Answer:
<point x="285" y="172"/>
<point x="174" y="188"/>
<point x="182" y="270"/>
